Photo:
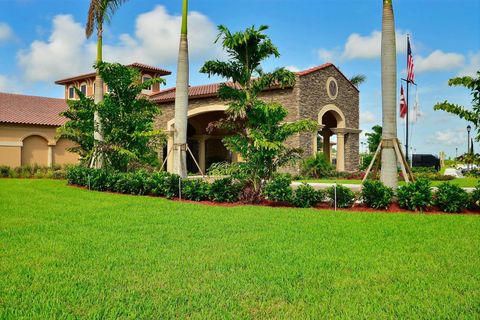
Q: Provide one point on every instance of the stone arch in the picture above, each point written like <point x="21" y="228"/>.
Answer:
<point x="336" y="112"/>
<point x="198" y="111"/>
<point x="200" y="147"/>
<point x="35" y="150"/>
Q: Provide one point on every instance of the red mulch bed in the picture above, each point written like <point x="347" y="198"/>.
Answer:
<point x="394" y="207"/>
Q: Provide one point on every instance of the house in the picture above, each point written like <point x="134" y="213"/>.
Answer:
<point x="322" y="93"/>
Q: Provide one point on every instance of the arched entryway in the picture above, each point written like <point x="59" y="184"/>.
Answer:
<point x="331" y="122"/>
<point x="206" y="145"/>
<point x="35" y="150"/>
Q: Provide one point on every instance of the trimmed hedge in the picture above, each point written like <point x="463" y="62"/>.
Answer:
<point x="376" y="195"/>
<point x="416" y="196"/>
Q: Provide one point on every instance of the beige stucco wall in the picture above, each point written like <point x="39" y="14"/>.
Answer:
<point x="33" y="144"/>
<point x="35" y="151"/>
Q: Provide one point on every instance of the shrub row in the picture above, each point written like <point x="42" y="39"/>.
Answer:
<point x="416" y="196"/>
<point x="162" y="184"/>
<point x="35" y="171"/>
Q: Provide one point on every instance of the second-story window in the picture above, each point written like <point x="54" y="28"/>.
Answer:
<point x="83" y="88"/>
<point x="71" y="92"/>
<point x="146" y="78"/>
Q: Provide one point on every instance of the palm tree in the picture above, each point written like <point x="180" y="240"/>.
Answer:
<point x="181" y="100"/>
<point x="358" y="79"/>
<point x="388" y="173"/>
<point x="99" y="12"/>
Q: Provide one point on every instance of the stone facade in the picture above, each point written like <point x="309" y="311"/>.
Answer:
<point x="309" y="98"/>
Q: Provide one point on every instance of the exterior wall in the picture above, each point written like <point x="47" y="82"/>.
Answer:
<point x="10" y="156"/>
<point x="61" y="155"/>
<point x="314" y="96"/>
<point x="29" y="144"/>
<point x="35" y="151"/>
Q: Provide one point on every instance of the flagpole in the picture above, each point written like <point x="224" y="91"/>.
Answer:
<point x="408" y="107"/>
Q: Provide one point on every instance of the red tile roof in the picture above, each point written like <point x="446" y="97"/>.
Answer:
<point x="141" y="66"/>
<point x="16" y="108"/>
<point x="210" y="90"/>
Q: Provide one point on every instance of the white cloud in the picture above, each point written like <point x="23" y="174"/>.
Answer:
<point x="328" y="55"/>
<point x="369" y="46"/>
<point x="64" y="54"/>
<point x="367" y="117"/>
<point x="292" y="68"/>
<point x="6" y="33"/>
<point x="473" y="65"/>
<point x="155" y="41"/>
<point x="439" y="61"/>
<point x="450" y="137"/>
<point x="157" y="36"/>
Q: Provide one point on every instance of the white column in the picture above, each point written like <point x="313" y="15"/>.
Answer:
<point x="50" y="156"/>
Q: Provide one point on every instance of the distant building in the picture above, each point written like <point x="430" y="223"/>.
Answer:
<point x="322" y="93"/>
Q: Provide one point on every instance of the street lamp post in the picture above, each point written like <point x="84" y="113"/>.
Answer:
<point x="468" y="145"/>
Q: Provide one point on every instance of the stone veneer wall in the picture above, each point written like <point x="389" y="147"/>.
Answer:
<point x="304" y="100"/>
<point x="313" y="97"/>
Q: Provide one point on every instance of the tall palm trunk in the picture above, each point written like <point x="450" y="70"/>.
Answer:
<point x="388" y="173"/>
<point x="181" y="100"/>
<point x="99" y="92"/>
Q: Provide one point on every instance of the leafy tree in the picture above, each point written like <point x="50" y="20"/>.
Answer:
<point x="99" y="11"/>
<point x="128" y="118"/>
<point x="374" y="138"/>
<point x="258" y="128"/>
<point x="473" y="115"/>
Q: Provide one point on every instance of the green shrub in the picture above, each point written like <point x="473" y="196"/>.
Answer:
<point x="415" y="196"/>
<point x="77" y="175"/>
<point x="451" y="198"/>
<point x="366" y="159"/>
<point x="135" y="182"/>
<point x="5" y="172"/>
<point x="305" y="196"/>
<point x="236" y="170"/>
<point x="345" y="197"/>
<point x="279" y="189"/>
<point x="195" y="189"/>
<point x="225" y="190"/>
<point x="475" y="197"/>
<point x="317" y="166"/>
<point x="376" y="195"/>
<point x="164" y="184"/>
<point x="98" y="179"/>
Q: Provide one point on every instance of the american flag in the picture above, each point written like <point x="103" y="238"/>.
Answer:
<point x="403" y="104"/>
<point x="410" y="73"/>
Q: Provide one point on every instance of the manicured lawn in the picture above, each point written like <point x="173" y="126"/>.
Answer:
<point x="463" y="182"/>
<point x="71" y="253"/>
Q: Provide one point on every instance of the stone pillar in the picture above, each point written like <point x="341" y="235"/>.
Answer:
<point x="326" y="145"/>
<point x="340" y="152"/>
<point x="170" y="152"/>
<point x="201" y="153"/>
<point x="50" y="156"/>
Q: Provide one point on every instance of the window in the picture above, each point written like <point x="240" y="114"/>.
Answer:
<point x="332" y="88"/>
<point x="83" y="88"/>
<point x="71" y="92"/>
<point x="146" y="78"/>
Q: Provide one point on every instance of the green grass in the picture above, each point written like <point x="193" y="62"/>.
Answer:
<point x="463" y="182"/>
<point x="71" y="253"/>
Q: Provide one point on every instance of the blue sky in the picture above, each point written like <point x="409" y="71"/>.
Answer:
<point x="43" y="40"/>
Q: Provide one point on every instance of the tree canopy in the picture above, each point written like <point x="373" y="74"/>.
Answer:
<point x="472" y="114"/>
<point x="258" y="130"/>
<point x="130" y="139"/>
